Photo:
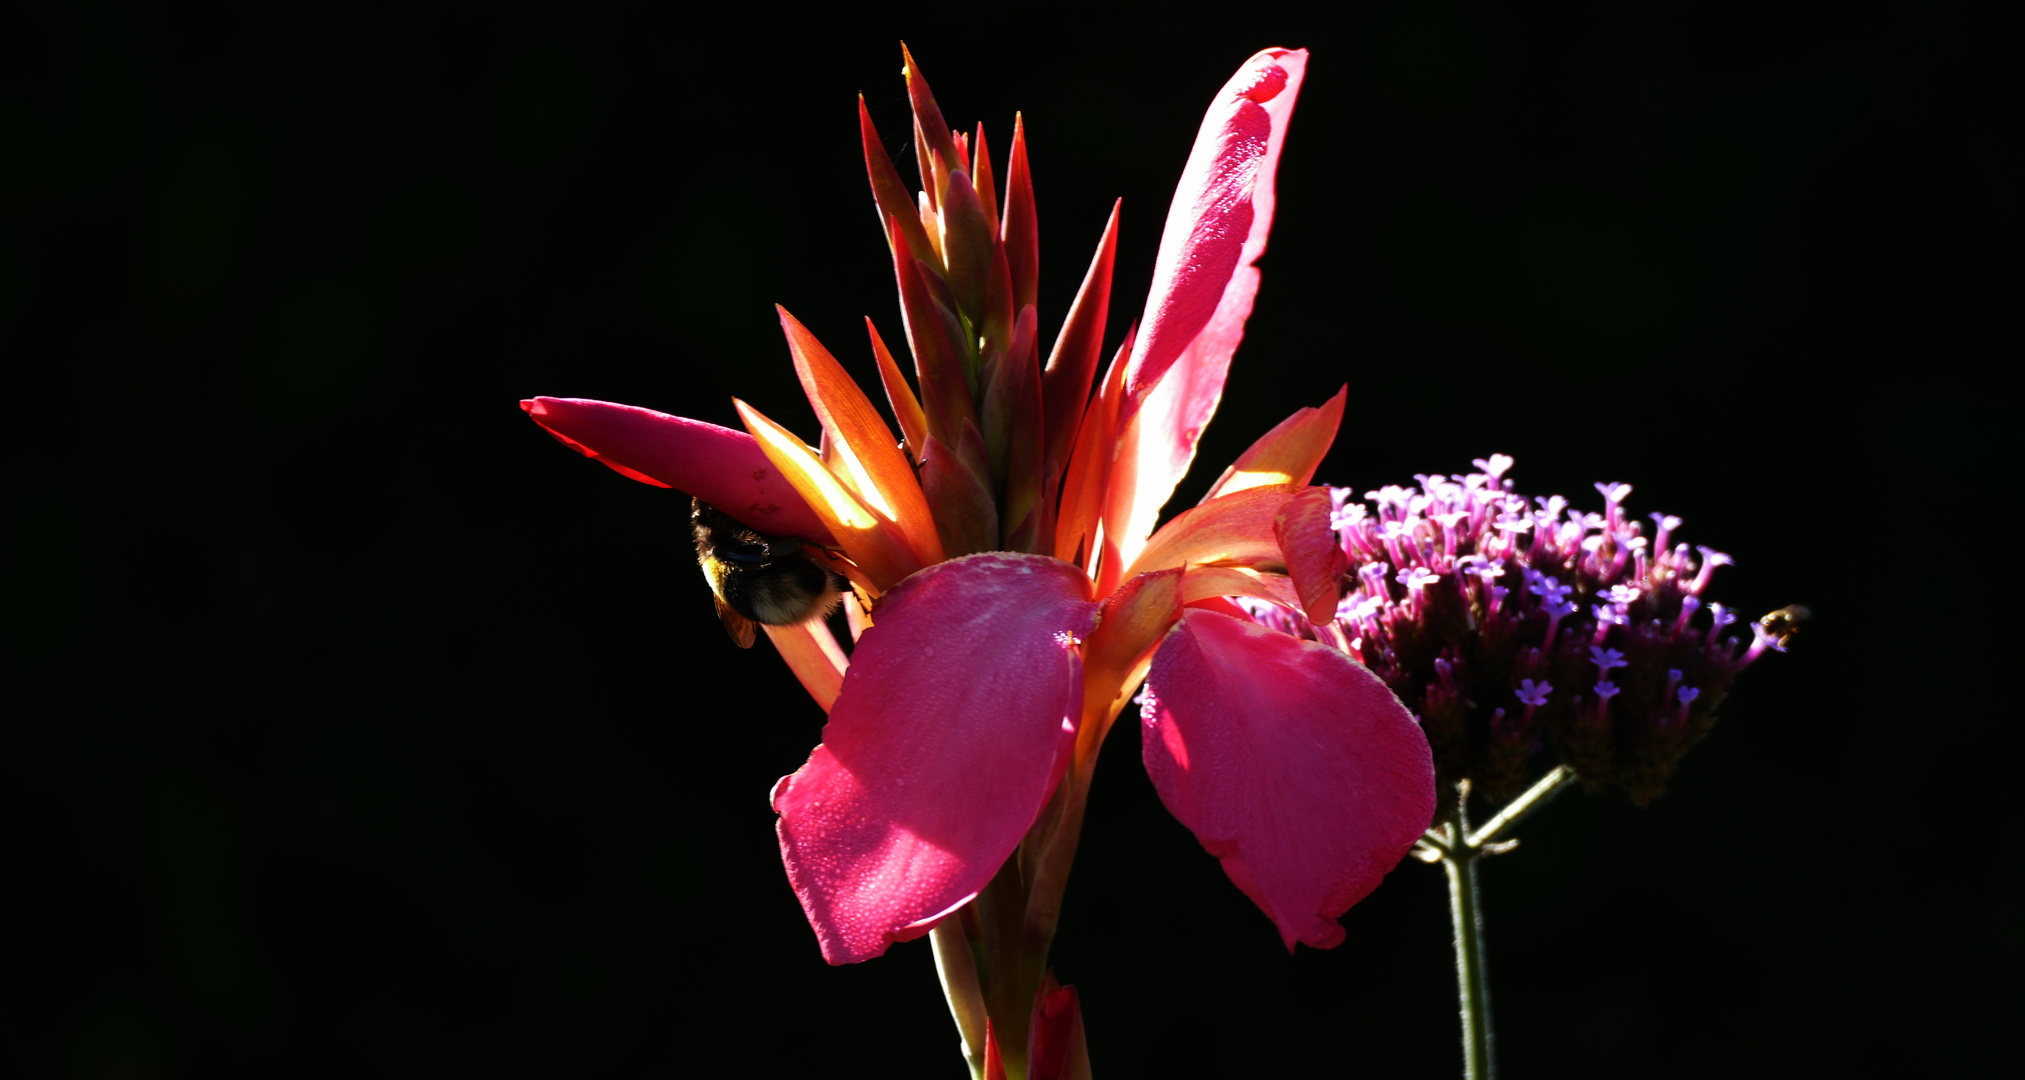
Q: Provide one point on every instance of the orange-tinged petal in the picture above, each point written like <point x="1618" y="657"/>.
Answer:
<point x="1315" y="561"/>
<point x="813" y="654"/>
<point x="999" y="314"/>
<point x="980" y="178"/>
<point x="879" y="471"/>
<point x="1129" y="627"/>
<point x="1205" y="583"/>
<point x="888" y="193"/>
<point x="1073" y="365"/>
<point x="877" y="547"/>
<point x="1018" y="226"/>
<point x="932" y="134"/>
<point x="856" y="615"/>
<point x="906" y="408"/>
<point x="966" y="517"/>
<point x="994" y="1061"/>
<point x="939" y="356"/>
<point x="1083" y="484"/>
<point x="1288" y="454"/>
<point x="931" y="227"/>
<point x="1236" y="530"/>
<point x="967" y="238"/>
<point x="1012" y="430"/>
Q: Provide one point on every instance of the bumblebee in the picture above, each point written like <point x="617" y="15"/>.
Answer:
<point x="1784" y="624"/>
<point x="758" y="578"/>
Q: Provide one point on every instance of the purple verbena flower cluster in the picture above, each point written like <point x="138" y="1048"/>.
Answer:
<point x="1507" y="623"/>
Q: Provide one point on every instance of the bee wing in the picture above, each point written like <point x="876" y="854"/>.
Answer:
<point x="738" y="626"/>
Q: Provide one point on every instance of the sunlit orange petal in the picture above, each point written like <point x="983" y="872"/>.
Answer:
<point x="883" y="478"/>
<point x="1129" y="627"/>
<point x="906" y="408"/>
<point x="812" y="652"/>
<point x="1288" y="454"/>
<point x="879" y="548"/>
<point x="1236" y="530"/>
<point x="1205" y="582"/>
<point x="1089" y="468"/>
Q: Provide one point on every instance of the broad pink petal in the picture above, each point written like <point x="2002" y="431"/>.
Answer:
<point x="724" y="468"/>
<point x="1203" y="285"/>
<point x="1291" y="763"/>
<point x="956" y="720"/>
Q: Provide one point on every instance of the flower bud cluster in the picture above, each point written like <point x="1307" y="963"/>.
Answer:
<point x="1509" y="623"/>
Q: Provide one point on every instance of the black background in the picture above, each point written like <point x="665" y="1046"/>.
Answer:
<point x="358" y="729"/>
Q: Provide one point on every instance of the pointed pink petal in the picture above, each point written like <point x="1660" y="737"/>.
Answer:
<point x="724" y="468"/>
<point x="1203" y="284"/>
<point x="956" y="720"/>
<point x="1222" y="209"/>
<point x="1291" y="763"/>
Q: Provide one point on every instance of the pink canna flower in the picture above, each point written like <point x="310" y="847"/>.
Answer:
<point x="1010" y="591"/>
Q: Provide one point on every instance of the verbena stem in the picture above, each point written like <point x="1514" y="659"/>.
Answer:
<point x="1458" y="848"/>
<point x="1473" y="990"/>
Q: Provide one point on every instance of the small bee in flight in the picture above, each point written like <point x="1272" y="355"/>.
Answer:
<point x="1784" y="624"/>
<point x="758" y="578"/>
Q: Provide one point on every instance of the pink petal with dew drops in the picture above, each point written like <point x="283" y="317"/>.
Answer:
<point x="1203" y="285"/>
<point x="1292" y="764"/>
<point x="724" y="468"/>
<point x="956" y="720"/>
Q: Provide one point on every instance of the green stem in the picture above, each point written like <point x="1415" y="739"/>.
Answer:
<point x="992" y="955"/>
<point x="956" y="967"/>
<point x="1011" y="964"/>
<point x="1458" y="848"/>
<point x="1534" y="798"/>
<point x="1473" y="992"/>
<point x="1472" y="987"/>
